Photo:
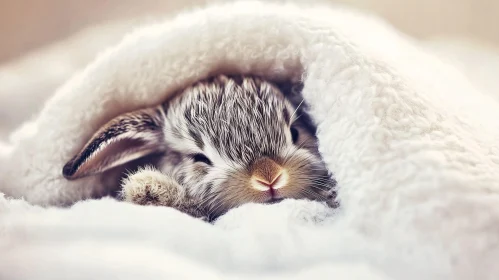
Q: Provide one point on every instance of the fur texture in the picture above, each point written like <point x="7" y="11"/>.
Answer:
<point x="150" y="187"/>
<point x="413" y="145"/>
<point x="225" y="140"/>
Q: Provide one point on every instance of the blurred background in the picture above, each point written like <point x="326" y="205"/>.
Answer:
<point x="45" y="41"/>
<point x="28" y="24"/>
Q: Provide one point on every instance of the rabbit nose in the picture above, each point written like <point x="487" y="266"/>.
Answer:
<point x="268" y="175"/>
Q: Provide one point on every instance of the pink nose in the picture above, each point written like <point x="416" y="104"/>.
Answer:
<point x="268" y="175"/>
<point x="273" y="182"/>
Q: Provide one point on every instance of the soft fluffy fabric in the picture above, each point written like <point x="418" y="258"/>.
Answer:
<point x="413" y="146"/>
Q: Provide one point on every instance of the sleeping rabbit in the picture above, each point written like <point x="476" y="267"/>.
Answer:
<point x="224" y="142"/>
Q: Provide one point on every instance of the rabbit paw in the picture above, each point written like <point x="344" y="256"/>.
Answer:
<point x="151" y="187"/>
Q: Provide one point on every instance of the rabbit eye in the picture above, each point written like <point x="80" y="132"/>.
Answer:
<point x="201" y="158"/>
<point x="294" y="134"/>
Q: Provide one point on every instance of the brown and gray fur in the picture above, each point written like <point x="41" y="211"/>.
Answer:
<point x="215" y="138"/>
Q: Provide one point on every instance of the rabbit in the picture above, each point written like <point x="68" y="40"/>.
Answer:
<point x="223" y="142"/>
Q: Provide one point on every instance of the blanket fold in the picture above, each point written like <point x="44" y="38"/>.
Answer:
<point x="413" y="145"/>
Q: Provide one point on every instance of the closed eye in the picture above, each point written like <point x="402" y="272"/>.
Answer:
<point x="294" y="134"/>
<point x="201" y="158"/>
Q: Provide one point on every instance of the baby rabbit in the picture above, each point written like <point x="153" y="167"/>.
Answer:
<point x="224" y="141"/>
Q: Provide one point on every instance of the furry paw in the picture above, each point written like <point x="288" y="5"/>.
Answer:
<point x="151" y="187"/>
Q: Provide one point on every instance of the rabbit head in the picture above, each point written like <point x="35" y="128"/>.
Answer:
<point x="226" y="140"/>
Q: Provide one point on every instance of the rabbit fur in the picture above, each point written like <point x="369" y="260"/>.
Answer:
<point x="223" y="142"/>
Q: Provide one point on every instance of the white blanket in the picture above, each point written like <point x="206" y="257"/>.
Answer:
<point x="413" y="146"/>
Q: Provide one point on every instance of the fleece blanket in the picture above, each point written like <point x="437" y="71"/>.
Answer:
<point x="412" y="143"/>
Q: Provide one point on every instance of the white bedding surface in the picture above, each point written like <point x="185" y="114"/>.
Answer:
<point x="286" y="241"/>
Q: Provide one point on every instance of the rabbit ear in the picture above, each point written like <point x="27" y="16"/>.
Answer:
<point x="123" y="139"/>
